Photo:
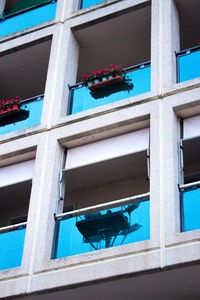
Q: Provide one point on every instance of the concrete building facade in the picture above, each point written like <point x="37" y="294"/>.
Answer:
<point x="99" y="190"/>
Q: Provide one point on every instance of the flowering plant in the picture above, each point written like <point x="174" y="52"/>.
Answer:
<point x="113" y="70"/>
<point x="9" y="104"/>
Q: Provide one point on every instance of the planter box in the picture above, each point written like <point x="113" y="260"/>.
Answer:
<point x="105" y="83"/>
<point x="9" y="112"/>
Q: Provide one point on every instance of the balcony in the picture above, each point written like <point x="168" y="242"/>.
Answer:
<point x="26" y="14"/>
<point x="15" y="190"/>
<point x="29" y="115"/>
<point x="190" y="174"/>
<point x="137" y="81"/>
<point x="11" y="245"/>
<point x="188" y="62"/>
<point x="89" y="215"/>
<point x="86" y="3"/>
<point x="122" y="40"/>
<point x="23" y="73"/>
<point x="78" y="233"/>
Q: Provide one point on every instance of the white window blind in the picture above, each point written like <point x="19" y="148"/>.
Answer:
<point x="191" y="127"/>
<point x="107" y="149"/>
<point x="16" y="173"/>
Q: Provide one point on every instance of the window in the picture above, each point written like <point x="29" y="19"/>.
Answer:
<point x="15" y="6"/>
<point x="190" y="174"/>
<point x="15" y="189"/>
<point x="108" y="182"/>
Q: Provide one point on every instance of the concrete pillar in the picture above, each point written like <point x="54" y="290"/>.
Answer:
<point x="43" y="205"/>
<point x="170" y="42"/>
<point x="155" y="50"/>
<point x="61" y="72"/>
<point x="2" y="6"/>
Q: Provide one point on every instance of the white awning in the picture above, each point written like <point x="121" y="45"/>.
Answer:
<point x="16" y="173"/>
<point x="107" y="149"/>
<point x="191" y="127"/>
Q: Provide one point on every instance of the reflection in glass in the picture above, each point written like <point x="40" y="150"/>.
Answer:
<point x="103" y="229"/>
<point x="29" y="115"/>
<point x="138" y="82"/>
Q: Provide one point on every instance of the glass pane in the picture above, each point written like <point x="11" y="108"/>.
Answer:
<point x="29" y="115"/>
<point x="11" y="248"/>
<point x="86" y="3"/>
<point x="14" y="7"/>
<point x="138" y="82"/>
<point x="189" y="66"/>
<point x="191" y="209"/>
<point x="28" y="19"/>
<point x="103" y="229"/>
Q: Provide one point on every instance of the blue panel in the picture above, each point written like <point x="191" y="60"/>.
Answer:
<point x="86" y="3"/>
<point x="191" y="210"/>
<point x="189" y="66"/>
<point x="104" y="229"/>
<point x="28" y="19"/>
<point x="11" y="248"/>
<point x="138" y="83"/>
<point x="29" y="116"/>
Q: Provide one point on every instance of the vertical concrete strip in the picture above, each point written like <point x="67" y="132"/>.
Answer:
<point x="44" y="169"/>
<point x="2" y="5"/>
<point x="161" y="138"/>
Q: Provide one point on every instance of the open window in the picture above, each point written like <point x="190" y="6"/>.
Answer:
<point x="190" y="174"/>
<point x="15" y="189"/>
<point x="107" y="183"/>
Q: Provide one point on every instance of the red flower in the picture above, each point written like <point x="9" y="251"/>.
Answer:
<point x="84" y="78"/>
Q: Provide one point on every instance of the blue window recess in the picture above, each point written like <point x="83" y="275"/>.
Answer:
<point x="188" y="64"/>
<point x="137" y="81"/>
<point x="107" y="228"/>
<point x="87" y="3"/>
<point x="11" y="248"/>
<point x="29" y="115"/>
<point x="27" y="17"/>
<point x="190" y="208"/>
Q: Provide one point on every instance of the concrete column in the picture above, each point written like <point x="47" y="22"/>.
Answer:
<point x="43" y="205"/>
<point x="155" y="50"/>
<point x="65" y="9"/>
<point x="61" y="72"/>
<point x="2" y="6"/>
<point x="170" y="41"/>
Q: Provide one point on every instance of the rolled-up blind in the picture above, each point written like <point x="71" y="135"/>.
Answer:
<point x="107" y="149"/>
<point x="191" y="127"/>
<point x="16" y="173"/>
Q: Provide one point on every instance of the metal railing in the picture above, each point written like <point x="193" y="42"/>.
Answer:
<point x="103" y="205"/>
<point x="32" y="99"/>
<point x="12" y="227"/>
<point x="187" y="51"/>
<point x="189" y="185"/>
<point x="128" y="69"/>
